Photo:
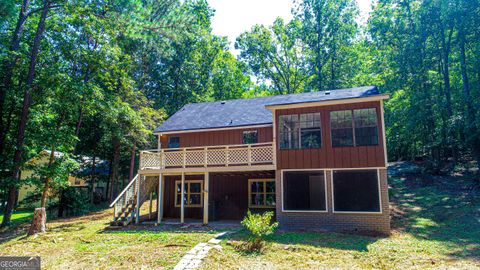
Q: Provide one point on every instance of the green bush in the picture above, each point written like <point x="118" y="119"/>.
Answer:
<point x="259" y="225"/>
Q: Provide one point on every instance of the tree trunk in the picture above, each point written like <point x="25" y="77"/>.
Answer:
<point x="132" y="162"/>
<point x="39" y="221"/>
<point x="46" y="184"/>
<point x="17" y="159"/>
<point x="9" y="64"/>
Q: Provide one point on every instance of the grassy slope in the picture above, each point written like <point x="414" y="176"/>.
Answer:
<point x="434" y="226"/>
<point x="82" y="243"/>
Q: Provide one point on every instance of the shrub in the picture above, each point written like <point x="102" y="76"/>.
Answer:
<point x="259" y="225"/>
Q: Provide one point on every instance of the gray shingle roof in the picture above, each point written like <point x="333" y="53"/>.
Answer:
<point x="248" y="112"/>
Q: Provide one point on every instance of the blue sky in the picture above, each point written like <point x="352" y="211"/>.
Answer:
<point x="233" y="17"/>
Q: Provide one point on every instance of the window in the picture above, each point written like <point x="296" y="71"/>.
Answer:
<point x="261" y="193"/>
<point x="366" y="130"/>
<point x="193" y="193"/>
<point x="288" y="125"/>
<point x="341" y="126"/>
<point x="304" y="191"/>
<point x="250" y="137"/>
<point x="310" y="132"/>
<point x="300" y="131"/>
<point x="356" y="191"/>
<point x="173" y="142"/>
<point x="354" y="127"/>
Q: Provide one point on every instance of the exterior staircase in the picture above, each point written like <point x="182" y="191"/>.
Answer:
<point x="125" y="205"/>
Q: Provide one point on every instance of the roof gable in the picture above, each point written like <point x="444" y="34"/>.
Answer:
<point x="251" y="111"/>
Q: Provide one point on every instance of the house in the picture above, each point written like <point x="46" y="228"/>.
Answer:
<point x="317" y="159"/>
<point x="78" y="179"/>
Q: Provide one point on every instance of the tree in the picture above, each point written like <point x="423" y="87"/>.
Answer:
<point x="275" y="55"/>
<point x="17" y="159"/>
<point x="328" y="29"/>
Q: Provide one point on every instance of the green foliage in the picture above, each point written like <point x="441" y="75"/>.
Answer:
<point x="275" y="54"/>
<point x="77" y="201"/>
<point x="259" y="225"/>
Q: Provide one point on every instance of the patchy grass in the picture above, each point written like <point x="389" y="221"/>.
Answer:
<point x="434" y="226"/>
<point x="83" y="243"/>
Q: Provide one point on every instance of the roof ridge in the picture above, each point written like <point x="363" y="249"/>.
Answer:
<point x="280" y="95"/>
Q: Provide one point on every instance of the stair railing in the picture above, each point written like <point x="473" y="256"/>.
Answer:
<point x="125" y="197"/>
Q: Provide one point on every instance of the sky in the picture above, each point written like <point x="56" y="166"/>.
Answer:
<point x="233" y="17"/>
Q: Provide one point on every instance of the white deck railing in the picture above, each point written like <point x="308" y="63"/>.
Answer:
<point x="210" y="156"/>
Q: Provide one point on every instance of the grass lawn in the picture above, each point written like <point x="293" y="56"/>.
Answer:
<point x="19" y="217"/>
<point x="83" y="243"/>
<point x="434" y="226"/>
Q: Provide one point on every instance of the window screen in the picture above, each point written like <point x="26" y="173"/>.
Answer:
<point x="288" y="125"/>
<point x="250" y="137"/>
<point x="341" y="126"/>
<point x="173" y="142"/>
<point x="304" y="190"/>
<point x="356" y="191"/>
<point x="366" y="130"/>
<point x="300" y="131"/>
<point x="310" y="131"/>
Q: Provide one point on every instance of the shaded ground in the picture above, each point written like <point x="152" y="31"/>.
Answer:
<point x="435" y="220"/>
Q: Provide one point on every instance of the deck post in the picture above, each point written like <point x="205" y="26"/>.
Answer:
<point x="182" y="202"/>
<point x="205" y="198"/>
<point x="138" y="184"/>
<point x="150" y="206"/>
<point x="160" y="199"/>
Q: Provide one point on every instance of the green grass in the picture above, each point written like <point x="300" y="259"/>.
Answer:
<point x="434" y="226"/>
<point x="83" y="243"/>
<point x="19" y="218"/>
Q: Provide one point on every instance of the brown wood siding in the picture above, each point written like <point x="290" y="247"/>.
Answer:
<point x="228" y="196"/>
<point x="169" y="210"/>
<point x="328" y="156"/>
<point x="218" y="137"/>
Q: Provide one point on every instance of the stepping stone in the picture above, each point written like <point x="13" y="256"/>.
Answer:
<point x="214" y="241"/>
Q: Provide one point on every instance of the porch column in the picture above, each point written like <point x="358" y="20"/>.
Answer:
<point x="160" y="199"/>
<point x="138" y="184"/>
<point x="182" y="200"/>
<point x="205" y="198"/>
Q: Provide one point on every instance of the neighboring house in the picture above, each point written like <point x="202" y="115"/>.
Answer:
<point x="78" y="179"/>
<point x="317" y="159"/>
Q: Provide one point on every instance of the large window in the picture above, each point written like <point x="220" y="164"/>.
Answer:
<point x="193" y="193"/>
<point x="304" y="191"/>
<point x="261" y="193"/>
<point x="356" y="191"/>
<point x="288" y="125"/>
<point x="300" y="131"/>
<point x="173" y="142"/>
<point x="342" y="128"/>
<point x="366" y="130"/>
<point x="354" y="127"/>
<point x="250" y="137"/>
<point x="310" y="131"/>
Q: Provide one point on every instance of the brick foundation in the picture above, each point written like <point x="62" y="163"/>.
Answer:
<point x="339" y="222"/>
